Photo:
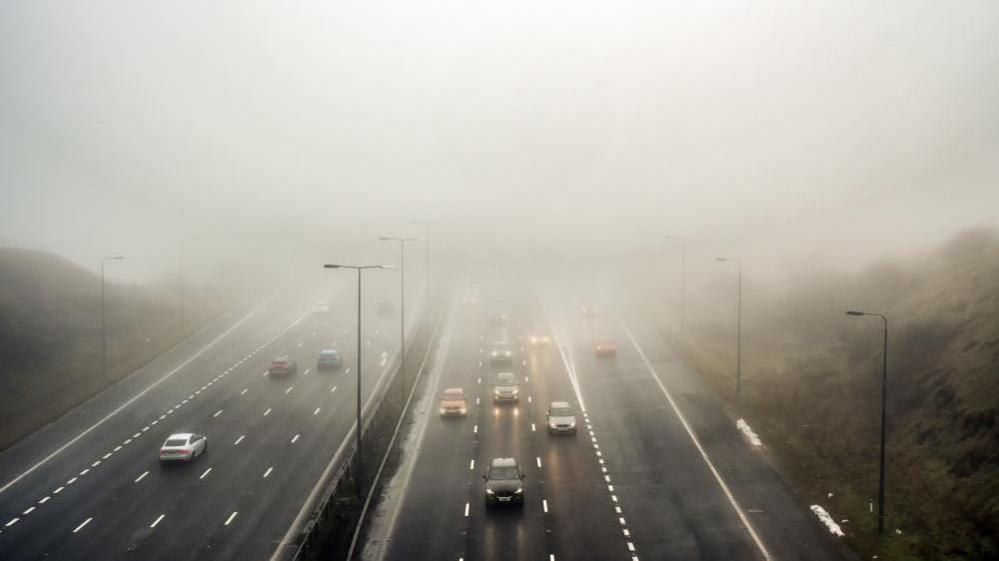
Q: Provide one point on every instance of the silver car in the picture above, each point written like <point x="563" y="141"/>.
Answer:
<point x="183" y="447"/>
<point x="506" y="387"/>
<point x="500" y="354"/>
<point x="561" y="418"/>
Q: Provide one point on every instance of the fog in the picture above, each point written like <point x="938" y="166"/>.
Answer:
<point x="834" y="131"/>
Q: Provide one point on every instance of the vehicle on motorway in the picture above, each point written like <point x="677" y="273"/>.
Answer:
<point x="183" y="447"/>
<point x="561" y="418"/>
<point x="453" y="403"/>
<point x="605" y="347"/>
<point x="588" y="312"/>
<point x="504" y="482"/>
<point x="506" y="387"/>
<point x="329" y="359"/>
<point x="539" y="340"/>
<point x="282" y="366"/>
<point x="500" y="354"/>
<point x="321" y="307"/>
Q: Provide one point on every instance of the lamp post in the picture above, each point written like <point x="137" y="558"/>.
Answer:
<point x="104" y="336"/>
<point x="738" y="347"/>
<point x="683" y="280"/>
<point x="884" y="394"/>
<point x="358" y="268"/>
<point x="402" y="306"/>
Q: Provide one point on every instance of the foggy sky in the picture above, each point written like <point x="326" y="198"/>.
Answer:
<point x="836" y="129"/>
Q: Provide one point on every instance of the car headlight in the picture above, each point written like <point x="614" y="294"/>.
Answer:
<point x="572" y="423"/>
<point x="515" y="391"/>
<point x="496" y="392"/>
<point x="463" y="410"/>
<point x="552" y="424"/>
<point x="490" y="492"/>
<point x="442" y="411"/>
<point x="519" y="490"/>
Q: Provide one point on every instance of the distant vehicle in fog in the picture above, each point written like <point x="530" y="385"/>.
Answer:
<point x="500" y="354"/>
<point x="605" y="347"/>
<point x="183" y="447"/>
<point x="506" y="387"/>
<point x="539" y="340"/>
<point x="588" y="312"/>
<point x="329" y="359"/>
<point x="453" y="403"/>
<point x="561" y="418"/>
<point x="321" y="308"/>
<point x="282" y="366"/>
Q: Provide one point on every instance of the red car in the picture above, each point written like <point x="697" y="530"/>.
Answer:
<point x="605" y="348"/>
<point x="282" y="366"/>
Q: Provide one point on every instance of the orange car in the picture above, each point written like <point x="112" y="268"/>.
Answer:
<point x="453" y="402"/>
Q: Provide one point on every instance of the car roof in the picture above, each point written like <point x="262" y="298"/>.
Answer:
<point x="329" y="352"/>
<point x="184" y="435"/>
<point x="505" y="375"/>
<point x="559" y="404"/>
<point x="504" y="462"/>
<point x="281" y="359"/>
<point x="453" y="390"/>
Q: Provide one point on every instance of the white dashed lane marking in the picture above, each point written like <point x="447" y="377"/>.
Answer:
<point x="231" y="518"/>
<point x="240" y="439"/>
<point x="157" y="521"/>
<point x="207" y="471"/>
<point x="295" y="438"/>
<point x="11" y="523"/>
<point x="141" y="477"/>
<point x="81" y="526"/>
<point x="217" y="413"/>
<point x="268" y="472"/>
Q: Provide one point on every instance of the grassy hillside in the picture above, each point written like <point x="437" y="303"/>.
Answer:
<point x="811" y="389"/>
<point x="50" y="335"/>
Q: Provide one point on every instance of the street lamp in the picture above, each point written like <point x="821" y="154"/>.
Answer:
<point x="104" y="336"/>
<point x="683" y="280"/>
<point x="426" y="236"/>
<point x="884" y="393"/>
<point x="358" y="268"/>
<point x="738" y="347"/>
<point x="402" y="305"/>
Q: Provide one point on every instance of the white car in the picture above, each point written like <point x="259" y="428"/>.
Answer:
<point x="561" y="418"/>
<point x="500" y="354"/>
<point x="183" y="446"/>
<point x="321" y="307"/>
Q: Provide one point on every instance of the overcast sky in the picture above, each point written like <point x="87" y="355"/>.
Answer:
<point x="832" y="128"/>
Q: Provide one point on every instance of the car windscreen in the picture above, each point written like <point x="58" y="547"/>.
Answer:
<point x="176" y="442"/>
<point x="561" y="412"/>
<point x="504" y="473"/>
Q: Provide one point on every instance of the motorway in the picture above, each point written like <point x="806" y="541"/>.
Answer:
<point x="90" y="486"/>
<point x="656" y="470"/>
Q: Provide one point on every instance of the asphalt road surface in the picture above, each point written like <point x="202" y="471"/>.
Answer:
<point x="90" y="485"/>
<point x="656" y="470"/>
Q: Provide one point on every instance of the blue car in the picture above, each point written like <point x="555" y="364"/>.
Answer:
<point x="329" y="359"/>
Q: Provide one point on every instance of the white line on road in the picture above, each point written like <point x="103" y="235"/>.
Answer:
<point x="127" y="441"/>
<point x="116" y="448"/>
<point x="240" y="439"/>
<point x="539" y="461"/>
<point x="95" y="464"/>
<point x="80" y="527"/>
<point x="44" y="500"/>
<point x="244" y="391"/>
<point x="217" y="413"/>
<point x="207" y="471"/>
<point x="533" y="428"/>
<point x="316" y="412"/>
<point x="471" y="465"/>
<point x="288" y="391"/>
<point x="295" y="438"/>
<point x="71" y="481"/>
<point x="307" y="370"/>
<point x="475" y="429"/>
<point x="697" y="444"/>
<point x="268" y="412"/>
<point x="29" y="511"/>
<point x="11" y="523"/>
<point x="333" y="389"/>
<point x="157" y="521"/>
<point x="544" y="504"/>
<point x="268" y="472"/>
<point x="466" y="510"/>
<point x="85" y="472"/>
<point x="141" y="477"/>
<point x="231" y="517"/>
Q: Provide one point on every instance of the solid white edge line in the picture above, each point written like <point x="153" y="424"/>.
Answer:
<point x="231" y="517"/>
<point x="157" y="521"/>
<point x="697" y="444"/>
<point x="207" y="471"/>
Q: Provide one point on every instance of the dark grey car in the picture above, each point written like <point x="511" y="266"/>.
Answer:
<point x="504" y="483"/>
